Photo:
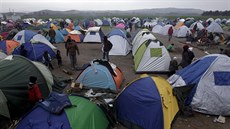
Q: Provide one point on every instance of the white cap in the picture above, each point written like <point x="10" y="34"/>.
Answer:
<point x="190" y="48"/>
<point x="174" y="58"/>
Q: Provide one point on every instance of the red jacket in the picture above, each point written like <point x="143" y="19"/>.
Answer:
<point x="170" y="31"/>
<point x="34" y="93"/>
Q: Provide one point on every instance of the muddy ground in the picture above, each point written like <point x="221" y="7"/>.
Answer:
<point x="89" y="52"/>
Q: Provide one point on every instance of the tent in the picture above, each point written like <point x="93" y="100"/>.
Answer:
<point x="165" y="29"/>
<point x="214" y="28"/>
<point x="75" y="35"/>
<point x="2" y="55"/>
<point x="14" y="77"/>
<point x="121" y="25"/>
<point x="83" y="114"/>
<point x="140" y="38"/>
<point x="25" y="36"/>
<point x="101" y="74"/>
<point x="157" y="29"/>
<point x="182" y="31"/>
<point x="98" y="22"/>
<point x="120" y="42"/>
<point x="151" y="56"/>
<point x="59" y="38"/>
<point x="94" y="35"/>
<point x="35" y="51"/>
<point x="147" y="103"/>
<point x="208" y="78"/>
<point x="8" y="46"/>
<point x="196" y="26"/>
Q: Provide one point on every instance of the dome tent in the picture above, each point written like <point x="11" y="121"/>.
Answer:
<point x="208" y="79"/>
<point x="14" y="77"/>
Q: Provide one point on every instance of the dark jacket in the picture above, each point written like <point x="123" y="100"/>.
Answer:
<point x="52" y="33"/>
<point x="185" y="59"/>
<point x="107" y="46"/>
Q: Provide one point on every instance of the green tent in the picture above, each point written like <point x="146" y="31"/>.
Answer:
<point x="14" y="78"/>
<point x="83" y="114"/>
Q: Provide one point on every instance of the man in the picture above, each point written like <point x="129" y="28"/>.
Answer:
<point x="170" y="32"/>
<point x="71" y="52"/>
<point x="52" y="35"/>
<point x="107" y="46"/>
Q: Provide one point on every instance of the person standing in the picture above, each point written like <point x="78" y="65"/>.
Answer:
<point x="23" y="51"/>
<point x="34" y="93"/>
<point x="59" y="58"/>
<point x="173" y="67"/>
<point x="185" y="57"/>
<point x="170" y="33"/>
<point x="46" y="59"/>
<point x="52" y="35"/>
<point x="107" y="46"/>
<point x="72" y="48"/>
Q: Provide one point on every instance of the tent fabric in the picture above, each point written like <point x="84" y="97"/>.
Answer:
<point x="35" y="51"/>
<point x="94" y="35"/>
<point x="182" y="31"/>
<point x="147" y="102"/>
<point x="208" y="90"/>
<point x="59" y="38"/>
<point x="14" y="77"/>
<point x="82" y="115"/>
<point x="120" y="43"/>
<point x="98" y="76"/>
<point x="7" y="46"/>
<point x="151" y="56"/>
<point x="141" y="38"/>
<point x="215" y="28"/>
<point x="157" y="29"/>
<point x="165" y="29"/>
<point x="3" y="105"/>
<point x="2" y="55"/>
<point x="26" y="36"/>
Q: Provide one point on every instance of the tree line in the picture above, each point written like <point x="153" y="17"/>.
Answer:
<point x="216" y="13"/>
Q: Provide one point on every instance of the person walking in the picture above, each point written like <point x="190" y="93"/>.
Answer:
<point x="72" y="48"/>
<point x="107" y="46"/>
<point x="170" y="33"/>
<point x="52" y="35"/>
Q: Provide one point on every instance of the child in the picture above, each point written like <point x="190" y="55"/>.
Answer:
<point x="173" y="66"/>
<point x="34" y="93"/>
<point x="170" y="47"/>
<point x="46" y="59"/>
<point x="59" y="59"/>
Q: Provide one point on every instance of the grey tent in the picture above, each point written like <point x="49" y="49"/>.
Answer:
<point x="14" y="77"/>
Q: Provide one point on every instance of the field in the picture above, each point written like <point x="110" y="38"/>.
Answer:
<point x="89" y="52"/>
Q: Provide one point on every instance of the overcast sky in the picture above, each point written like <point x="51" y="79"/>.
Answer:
<point x="61" y="5"/>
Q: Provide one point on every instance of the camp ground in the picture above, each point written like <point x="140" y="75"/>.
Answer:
<point x="115" y="95"/>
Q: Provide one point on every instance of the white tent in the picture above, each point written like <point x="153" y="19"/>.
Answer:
<point x="120" y="42"/>
<point x="157" y="29"/>
<point x="210" y="77"/>
<point x="94" y="35"/>
<point x="166" y="28"/>
<point x="182" y="31"/>
<point x="215" y="27"/>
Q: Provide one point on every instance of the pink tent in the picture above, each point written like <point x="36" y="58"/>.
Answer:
<point x="120" y="25"/>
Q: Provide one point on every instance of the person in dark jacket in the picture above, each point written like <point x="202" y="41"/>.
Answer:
<point x="23" y="51"/>
<point x="59" y="58"/>
<point x="52" y="35"/>
<point x="186" y="59"/>
<point x="170" y="33"/>
<point x="173" y="67"/>
<point x="46" y="59"/>
<point x="107" y="46"/>
<point x="72" y="48"/>
<point x="34" y="93"/>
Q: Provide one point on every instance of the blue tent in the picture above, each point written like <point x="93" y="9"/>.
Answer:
<point x="105" y="23"/>
<point x="147" y="103"/>
<point x="35" y="51"/>
<point x="208" y="78"/>
<point x="59" y="38"/>
<point x="64" y="32"/>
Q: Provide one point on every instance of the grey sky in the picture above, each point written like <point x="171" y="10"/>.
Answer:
<point x="60" y="5"/>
